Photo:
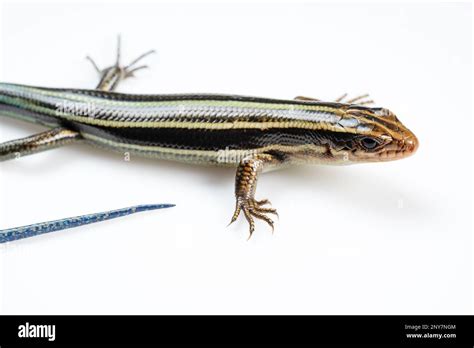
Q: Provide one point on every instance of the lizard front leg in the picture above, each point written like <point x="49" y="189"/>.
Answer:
<point x="361" y="99"/>
<point x="245" y="186"/>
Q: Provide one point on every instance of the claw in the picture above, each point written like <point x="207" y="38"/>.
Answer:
<point x="136" y="60"/>
<point x="253" y="209"/>
<point x="360" y="97"/>
<point x="94" y="64"/>
<point x="263" y="202"/>
<point x="268" y="210"/>
<point x="130" y="73"/>
<point x="359" y="100"/>
<point x="341" y="98"/>
<point x="250" y="221"/>
<point x="264" y="218"/>
<point x="236" y="214"/>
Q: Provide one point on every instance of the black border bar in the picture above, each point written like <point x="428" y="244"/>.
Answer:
<point x="261" y="330"/>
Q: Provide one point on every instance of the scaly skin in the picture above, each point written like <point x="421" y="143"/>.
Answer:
<point x="250" y="133"/>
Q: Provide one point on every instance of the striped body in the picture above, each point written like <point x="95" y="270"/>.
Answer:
<point x="205" y="128"/>
<point x="250" y="133"/>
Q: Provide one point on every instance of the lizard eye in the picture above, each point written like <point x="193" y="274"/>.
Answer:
<point x="369" y="143"/>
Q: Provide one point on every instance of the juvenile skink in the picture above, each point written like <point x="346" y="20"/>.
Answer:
<point x="250" y="133"/>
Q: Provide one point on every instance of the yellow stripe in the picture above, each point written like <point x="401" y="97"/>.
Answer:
<point x="212" y="126"/>
<point x="229" y="103"/>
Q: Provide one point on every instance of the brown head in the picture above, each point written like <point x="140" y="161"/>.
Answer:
<point x="377" y="135"/>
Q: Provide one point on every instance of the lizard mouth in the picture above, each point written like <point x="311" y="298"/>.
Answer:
<point x="402" y="148"/>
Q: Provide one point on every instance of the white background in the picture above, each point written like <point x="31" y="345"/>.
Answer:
<point x="387" y="238"/>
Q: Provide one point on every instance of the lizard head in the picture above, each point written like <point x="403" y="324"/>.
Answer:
<point x="376" y="135"/>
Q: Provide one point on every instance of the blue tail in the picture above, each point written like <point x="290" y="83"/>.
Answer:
<point x="62" y="224"/>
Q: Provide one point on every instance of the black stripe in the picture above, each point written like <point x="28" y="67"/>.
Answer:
<point x="232" y="139"/>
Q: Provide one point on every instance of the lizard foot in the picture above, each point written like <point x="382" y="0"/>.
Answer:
<point x="360" y="100"/>
<point x="253" y="209"/>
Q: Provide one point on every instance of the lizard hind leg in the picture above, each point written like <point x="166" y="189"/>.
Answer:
<point x="111" y="76"/>
<point x="39" y="142"/>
